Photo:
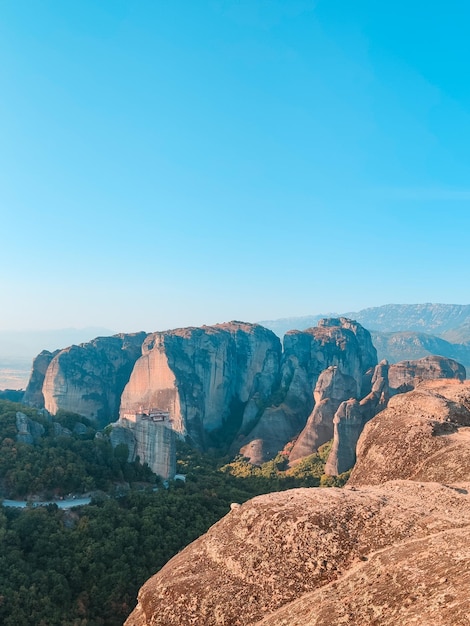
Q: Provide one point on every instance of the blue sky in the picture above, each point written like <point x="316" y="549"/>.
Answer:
<point x="177" y="162"/>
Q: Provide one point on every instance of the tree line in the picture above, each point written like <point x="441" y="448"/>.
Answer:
<point x="84" y="566"/>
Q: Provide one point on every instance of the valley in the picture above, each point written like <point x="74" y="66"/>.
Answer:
<point x="240" y="414"/>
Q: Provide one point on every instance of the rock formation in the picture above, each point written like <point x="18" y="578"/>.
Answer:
<point x="392" y="553"/>
<point x="331" y="390"/>
<point x="405" y="375"/>
<point x="33" y="393"/>
<point x="279" y="549"/>
<point x="351" y="417"/>
<point x="230" y="386"/>
<point x="152" y="442"/>
<point x="29" y="431"/>
<point x="212" y="380"/>
<point x="433" y="423"/>
<point x="340" y="343"/>
<point x="88" y="379"/>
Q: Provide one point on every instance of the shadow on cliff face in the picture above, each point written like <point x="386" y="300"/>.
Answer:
<point x="221" y="439"/>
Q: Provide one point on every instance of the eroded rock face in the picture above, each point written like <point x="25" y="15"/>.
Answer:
<point x="348" y="425"/>
<point x="33" y="395"/>
<point x="29" y="431"/>
<point x="152" y="442"/>
<point x="386" y="380"/>
<point x="351" y="416"/>
<point x="88" y="379"/>
<point x="421" y="435"/>
<point x="331" y="390"/>
<point x="285" y="550"/>
<point x="423" y="581"/>
<point x="213" y="380"/>
<point x="339" y="343"/>
<point x="404" y="376"/>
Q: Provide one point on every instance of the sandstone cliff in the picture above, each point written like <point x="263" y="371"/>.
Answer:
<point x="392" y="553"/>
<point x="433" y="423"/>
<point x="33" y="394"/>
<point x="339" y="343"/>
<point x="331" y="390"/>
<point x="88" y="379"/>
<point x="306" y="543"/>
<point x="151" y="442"/>
<point x="405" y="375"/>
<point x="351" y="416"/>
<point x="212" y="380"/>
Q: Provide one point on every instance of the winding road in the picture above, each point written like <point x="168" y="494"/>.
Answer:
<point x="62" y="504"/>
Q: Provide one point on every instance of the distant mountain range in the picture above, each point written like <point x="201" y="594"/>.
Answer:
<point x="452" y="320"/>
<point x="403" y="331"/>
<point x="399" y="331"/>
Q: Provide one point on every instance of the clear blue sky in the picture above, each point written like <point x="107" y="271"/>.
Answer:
<point x="178" y="162"/>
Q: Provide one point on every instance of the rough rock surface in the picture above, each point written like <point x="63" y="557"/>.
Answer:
<point x="404" y="376"/>
<point x="88" y="379"/>
<point x="341" y="343"/>
<point x="153" y="442"/>
<point x="348" y="425"/>
<point x="421" y="582"/>
<point x="421" y="435"/>
<point x="293" y="548"/>
<point x="397" y="378"/>
<point x="212" y="380"/>
<point x="331" y="390"/>
<point x="350" y="418"/>
<point x="29" y="431"/>
<point x="33" y="393"/>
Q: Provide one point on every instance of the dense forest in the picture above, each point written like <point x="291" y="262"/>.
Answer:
<point x="84" y="566"/>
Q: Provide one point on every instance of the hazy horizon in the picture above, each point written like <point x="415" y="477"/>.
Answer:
<point x="179" y="164"/>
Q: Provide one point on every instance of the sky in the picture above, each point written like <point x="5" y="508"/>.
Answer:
<point x="167" y="163"/>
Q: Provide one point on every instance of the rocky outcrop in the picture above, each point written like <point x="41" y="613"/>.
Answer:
<point x="423" y="581"/>
<point x="405" y="332"/>
<point x="404" y="376"/>
<point x="376" y="400"/>
<point x="148" y="441"/>
<point x="89" y="379"/>
<point x="351" y="417"/>
<point x="33" y="395"/>
<point x="348" y="425"/>
<point x="331" y="390"/>
<point x="293" y="558"/>
<point x="29" y="431"/>
<point x="421" y="435"/>
<point x="214" y="381"/>
<point x="339" y="343"/>
<point x="223" y="384"/>
<point x="394" y="552"/>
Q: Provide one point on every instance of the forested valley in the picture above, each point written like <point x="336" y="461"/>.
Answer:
<point x="84" y="566"/>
